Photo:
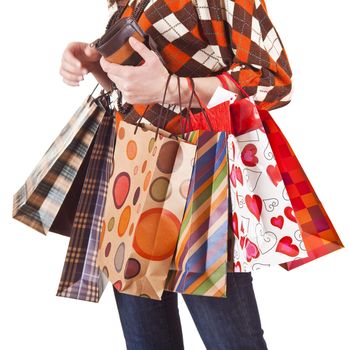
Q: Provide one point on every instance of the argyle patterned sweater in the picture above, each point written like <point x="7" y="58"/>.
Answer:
<point x="201" y="38"/>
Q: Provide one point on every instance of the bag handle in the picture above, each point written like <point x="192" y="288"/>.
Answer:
<point x="159" y="119"/>
<point x="161" y="110"/>
<point x="223" y="81"/>
<point x="190" y="82"/>
<point x="183" y="127"/>
<point x="103" y="100"/>
<point x="235" y="82"/>
<point x="188" y="120"/>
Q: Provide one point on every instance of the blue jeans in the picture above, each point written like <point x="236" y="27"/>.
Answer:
<point x="231" y="323"/>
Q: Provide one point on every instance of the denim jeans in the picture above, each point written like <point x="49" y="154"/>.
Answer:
<point x="231" y="323"/>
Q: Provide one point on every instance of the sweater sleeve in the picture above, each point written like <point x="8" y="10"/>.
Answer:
<point x="260" y="63"/>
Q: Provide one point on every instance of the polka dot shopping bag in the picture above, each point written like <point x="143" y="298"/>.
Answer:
<point x="145" y="203"/>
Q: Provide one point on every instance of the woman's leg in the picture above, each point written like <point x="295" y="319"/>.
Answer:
<point x="150" y="324"/>
<point x="231" y="323"/>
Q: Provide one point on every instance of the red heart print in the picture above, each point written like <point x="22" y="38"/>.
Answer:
<point x="242" y="228"/>
<point x="274" y="174"/>
<point x="248" y="155"/>
<point x="233" y="150"/>
<point x="235" y="224"/>
<point x="241" y="241"/>
<point x="277" y="221"/>
<point x="289" y="213"/>
<point x="239" y="175"/>
<point x="286" y="246"/>
<point x="254" y="204"/>
<point x="251" y="250"/>
<point x="237" y="267"/>
<point x="233" y="175"/>
<point x="236" y="174"/>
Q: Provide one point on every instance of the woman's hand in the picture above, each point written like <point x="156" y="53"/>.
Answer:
<point x="143" y="84"/>
<point x="78" y="59"/>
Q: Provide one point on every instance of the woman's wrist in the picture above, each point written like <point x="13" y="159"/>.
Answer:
<point x="204" y="87"/>
<point x="102" y="77"/>
<point x="172" y="95"/>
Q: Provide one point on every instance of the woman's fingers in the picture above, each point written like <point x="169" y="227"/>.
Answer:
<point x="71" y="82"/>
<point x="70" y="67"/>
<point x="68" y="56"/>
<point x="71" y="70"/>
<point x="77" y="61"/>
<point x="70" y="77"/>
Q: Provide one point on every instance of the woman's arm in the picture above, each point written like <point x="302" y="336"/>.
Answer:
<point x="260" y="64"/>
<point x="102" y="77"/>
<point x="145" y="84"/>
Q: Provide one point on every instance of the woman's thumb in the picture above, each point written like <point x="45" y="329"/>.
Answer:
<point x="91" y="52"/>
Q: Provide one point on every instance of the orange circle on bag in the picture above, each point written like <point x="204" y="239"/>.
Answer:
<point x="102" y="234"/>
<point x="156" y="234"/>
<point x="124" y="220"/>
<point x="147" y="180"/>
<point x="131" y="149"/>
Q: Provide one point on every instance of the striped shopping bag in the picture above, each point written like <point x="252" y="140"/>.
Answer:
<point x="38" y="201"/>
<point x="199" y="263"/>
<point x="81" y="277"/>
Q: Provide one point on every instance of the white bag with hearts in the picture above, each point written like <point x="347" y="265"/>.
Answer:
<point x="265" y="231"/>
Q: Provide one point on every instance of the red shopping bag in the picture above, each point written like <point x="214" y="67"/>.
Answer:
<point x="317" y="231"/>
<point x="215" y="119"/>
<point x="237" y="118"/>
<point x="319" y="234"/>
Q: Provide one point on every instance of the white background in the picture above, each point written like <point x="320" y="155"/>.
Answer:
<point x="306" y="308"/>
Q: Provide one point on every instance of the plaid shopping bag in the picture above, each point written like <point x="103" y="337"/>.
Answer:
<point x="144" y="208"/>
<point x="39" y="200"/>
<point x="81" y="277"/>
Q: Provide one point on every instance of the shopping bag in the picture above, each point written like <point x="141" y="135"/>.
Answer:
<point x="39" y="200"/>
<point x="81" y="277"/>
<point x="265" y="232"/>
<point x="299" y="227"/>
<point x="254" y="227"/>
<point x="319" y="234"/>
<point x="199" y="264"/>
<point x="144" y="207"/>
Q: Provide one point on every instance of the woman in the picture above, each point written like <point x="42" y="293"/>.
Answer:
<point x="201" y="39"/>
